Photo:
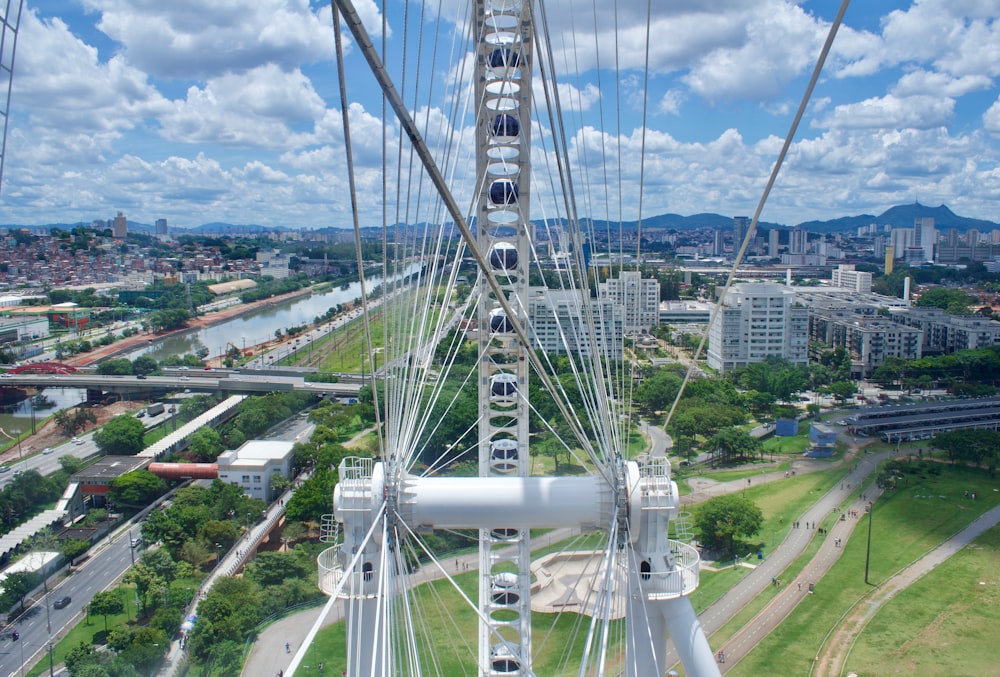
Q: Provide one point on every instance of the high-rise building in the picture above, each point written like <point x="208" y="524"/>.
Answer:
<point x="639" y="298"/>
<point x="758" y="321"/>
<point x="120" y="227"/>
<point x="162" y="230"/>
<point x="972" y="237"/>
<point x="772" y="242"/>
<point x="557" y="326"/>
<point x="741" y="224"/>
<point x="902" y="238"/>
<point x="925" y="235"/>
<point x="718" y="246"/>
<point x="797" y="241"/>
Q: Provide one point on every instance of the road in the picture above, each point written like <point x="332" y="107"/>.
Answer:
<point x="107" y="563"/>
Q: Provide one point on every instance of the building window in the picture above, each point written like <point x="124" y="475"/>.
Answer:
<point x="246" y="478"/>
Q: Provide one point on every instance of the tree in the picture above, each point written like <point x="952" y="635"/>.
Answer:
<point x="121" y="436"/>
<point x="725" y="519"/>
<point x="105" y="603"/>
<point x="144" y="364"/>
<point x="733" y="444"/>
<point x="272" y="568"/>
<point x="841" y="390"/>
<point x="74" y="547"/>
<point x="144" y="579"/>
<point x="136" y="488"/>
<point x="161" y="563"/>
<point x="118" y="366"/>
<point x="953" y="301"/>
<point x="313" y="499"/>
<point x="205" y="444"/>
<point x="658" y="390"/>
<point x="16" y="587"/>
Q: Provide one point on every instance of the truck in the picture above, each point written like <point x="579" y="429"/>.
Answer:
<point x="155" y="409"/>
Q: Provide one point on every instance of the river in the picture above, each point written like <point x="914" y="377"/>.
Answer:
<point x="258" y="326"/>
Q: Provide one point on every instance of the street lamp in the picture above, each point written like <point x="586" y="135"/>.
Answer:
<point x="218" y="554"/>
<point x="868" y="550"/>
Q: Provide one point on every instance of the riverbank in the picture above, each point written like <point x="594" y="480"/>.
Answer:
<point x="201" y="322"/>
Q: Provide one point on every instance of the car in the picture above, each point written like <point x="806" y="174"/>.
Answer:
<point x="62" y="602"/>
<point x="141" y="414"/>
<point x="185" y="378"/>
<point x="47" y="450"/>
<point x="182" y="368"/>
<point x="76" y="440"/>
<point x="842" y="422"/>
<point x="141" y="377"/>
<point x="4" y="468"/>
<point x="136" y="542"/>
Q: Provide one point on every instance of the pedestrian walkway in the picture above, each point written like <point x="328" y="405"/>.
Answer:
<point x="837" y="647"/>
<point x="228" y="564"/>
<point x="755" y="582"/>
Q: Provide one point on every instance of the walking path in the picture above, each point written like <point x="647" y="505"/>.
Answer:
<point x="838" y="645"/>
<point x="267" y="656"/>
<point x="771" y="569"/>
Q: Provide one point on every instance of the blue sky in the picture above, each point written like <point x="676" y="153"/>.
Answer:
<point x="229" y="111"/>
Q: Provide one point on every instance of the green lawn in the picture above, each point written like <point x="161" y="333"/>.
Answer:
<point x="926" y="510"/>
<point x="944" y="624"/>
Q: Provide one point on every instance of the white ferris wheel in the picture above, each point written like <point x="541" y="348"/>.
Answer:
<point x="468" y="435"/>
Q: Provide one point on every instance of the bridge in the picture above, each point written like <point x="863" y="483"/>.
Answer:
<point x="228" y="382"/>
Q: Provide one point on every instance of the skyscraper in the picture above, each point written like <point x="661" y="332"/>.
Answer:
<point x="162" y="230"/>
<point x="740" y="226"/>
<point x="925" y="235"/>
<point x="120" y="227"/>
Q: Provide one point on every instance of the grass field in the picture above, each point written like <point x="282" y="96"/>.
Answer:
<point x="944" y="624"/>
<point x="906" y="524"/>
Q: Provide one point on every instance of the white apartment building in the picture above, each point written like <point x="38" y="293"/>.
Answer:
<point x="252" y="465"/>
<point x="847" y="278"/>
<point x="756" y="322"/>
<point x="558" y="324"/>
<point x="639" y="298"/>
<point x="944" y="333"/>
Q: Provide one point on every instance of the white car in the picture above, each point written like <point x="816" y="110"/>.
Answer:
<point x="76" y="440"/>
<point x="47" y="450"/>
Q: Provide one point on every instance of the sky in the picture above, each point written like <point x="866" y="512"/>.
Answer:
<point x="230" y="111"/>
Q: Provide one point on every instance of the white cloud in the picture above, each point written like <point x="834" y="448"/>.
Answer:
<point x="671" y="102"/>
<point x="253" y="109"/>
<point x="780" y="43"/>
<point x="194" y="38"/>
<point x="891" y="112"/>
<point x="920" y="82"/>
<point x="991" y="119"/>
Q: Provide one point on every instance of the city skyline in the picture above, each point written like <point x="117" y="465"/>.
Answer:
<point x="232" y="114"/>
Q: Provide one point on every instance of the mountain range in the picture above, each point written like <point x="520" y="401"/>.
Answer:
<point x="900" y="216"/>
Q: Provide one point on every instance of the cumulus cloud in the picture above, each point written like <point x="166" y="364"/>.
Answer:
<point x="193" y="38"/>
<point x="923" y="82"/>
<point x="253" y="109"/>
<point x="991" y="119"/>
<point x="891" y="111"/>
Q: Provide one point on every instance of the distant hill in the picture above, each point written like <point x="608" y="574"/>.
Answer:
<point x="901" y="216"/>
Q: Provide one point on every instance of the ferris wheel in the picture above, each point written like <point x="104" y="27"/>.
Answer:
<point x="503" y="388"/>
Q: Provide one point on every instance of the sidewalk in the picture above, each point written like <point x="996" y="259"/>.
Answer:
<point x="741" y="594"/>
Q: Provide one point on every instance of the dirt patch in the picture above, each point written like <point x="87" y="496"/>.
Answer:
<point x="50" y="435"/>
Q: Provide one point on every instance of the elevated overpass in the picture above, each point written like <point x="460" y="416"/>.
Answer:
<point x="194" y="380"/>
